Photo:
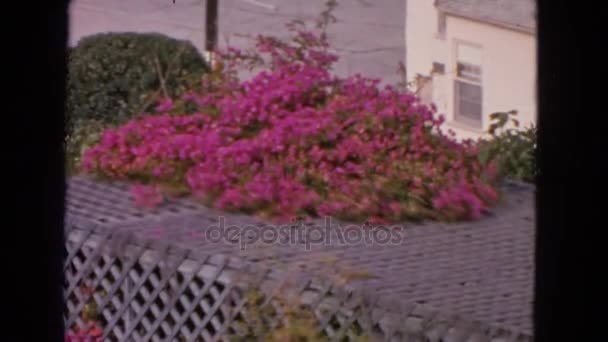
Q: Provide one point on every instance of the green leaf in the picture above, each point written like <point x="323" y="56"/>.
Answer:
<point x="502" y="121"/>
<point x="484" y="156"/>
<point x="492" y="128"/>
<point x="495" y="116"/>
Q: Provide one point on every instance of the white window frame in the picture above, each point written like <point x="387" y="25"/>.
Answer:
<point x="473" y="79"/>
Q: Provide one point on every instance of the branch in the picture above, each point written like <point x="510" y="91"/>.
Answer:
<point x="160" y="77"/>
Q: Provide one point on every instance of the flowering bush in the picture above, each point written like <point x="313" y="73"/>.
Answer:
<point x="82" y="135"/>
<point x="297" y="140"/>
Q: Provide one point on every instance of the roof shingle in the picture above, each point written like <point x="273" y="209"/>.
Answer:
<point x="482" y="271"/>
<point x="514" y="14"/>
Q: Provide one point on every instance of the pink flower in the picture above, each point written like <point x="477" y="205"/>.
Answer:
<point x="164" y="105"/>
<point x="146" y="196"/>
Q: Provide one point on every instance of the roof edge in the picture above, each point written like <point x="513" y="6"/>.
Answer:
<point x="462" y="14"/>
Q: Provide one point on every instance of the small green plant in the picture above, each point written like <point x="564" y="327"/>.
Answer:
<point x="513" y="150"/>
<point x="282" y="315"/>
<point x="297" y="324"/>
<point x="81" y="135"/>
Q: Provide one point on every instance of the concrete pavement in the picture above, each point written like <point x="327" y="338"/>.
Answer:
<point x="369" y="34"/>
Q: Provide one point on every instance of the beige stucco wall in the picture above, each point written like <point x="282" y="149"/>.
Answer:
<point x="508" y="63"/>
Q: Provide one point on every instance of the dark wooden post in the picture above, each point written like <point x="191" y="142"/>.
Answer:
<point x="211" y="27"/>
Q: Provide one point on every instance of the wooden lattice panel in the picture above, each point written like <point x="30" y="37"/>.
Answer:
<point x="149" y="291"/>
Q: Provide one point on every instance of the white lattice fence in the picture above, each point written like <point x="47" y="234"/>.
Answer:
<point x="149" y="290"/>
<point x="145" y="292"/>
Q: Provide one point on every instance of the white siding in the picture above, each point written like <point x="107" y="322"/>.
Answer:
<point x="508" y="60"/>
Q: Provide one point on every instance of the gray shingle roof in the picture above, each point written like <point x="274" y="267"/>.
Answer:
<point x="481" y="271"/>
<point x="514" y="14"/>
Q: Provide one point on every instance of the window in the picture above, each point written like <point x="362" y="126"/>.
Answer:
<point x="467" y="86"/>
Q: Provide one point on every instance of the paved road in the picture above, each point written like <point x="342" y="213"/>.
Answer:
<point x="369" y="34"/>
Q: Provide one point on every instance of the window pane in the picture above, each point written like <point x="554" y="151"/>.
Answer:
<point x="468" y="101"/>
<point x="470" y="110"/>
<point x="469" y="54"/>
<point x="469" y="92"/>
<point x="468" y="71"/>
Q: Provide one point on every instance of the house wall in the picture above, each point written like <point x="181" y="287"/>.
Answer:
<point x="422" y="45"/>
<point x="508" y="64"/>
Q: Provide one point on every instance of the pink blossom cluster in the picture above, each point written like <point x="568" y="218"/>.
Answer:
<point x="92" y="333"/>
<point x="92" y="330"/>
<point x="296" y="140"/>
<point x="147" y="196"/>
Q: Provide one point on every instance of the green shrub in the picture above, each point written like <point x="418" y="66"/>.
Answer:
<point x="115" y="76"/>
<point x="512" y="149"/>
<point x="83" y="134"/>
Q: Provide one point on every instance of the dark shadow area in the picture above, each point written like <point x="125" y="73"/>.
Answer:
<point x="570" y="141"/>
<point x="36" y="95"/>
